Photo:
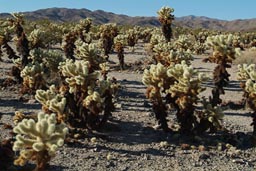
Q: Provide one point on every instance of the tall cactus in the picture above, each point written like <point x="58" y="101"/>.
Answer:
<point x="165" y="17"/>
<point x="223" y="55"/>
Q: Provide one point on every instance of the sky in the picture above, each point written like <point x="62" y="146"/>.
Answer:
<point x="220" y="9"/>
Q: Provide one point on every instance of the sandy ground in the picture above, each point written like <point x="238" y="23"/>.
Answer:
<point x="129" y="142"/>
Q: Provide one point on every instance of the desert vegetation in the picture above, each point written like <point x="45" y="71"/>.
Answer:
<point x="76" y="73"/>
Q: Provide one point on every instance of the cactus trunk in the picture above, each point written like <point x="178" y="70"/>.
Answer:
<point x="42" y="160"/>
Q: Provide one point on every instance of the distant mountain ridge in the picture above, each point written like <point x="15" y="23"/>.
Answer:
<point x="101" y="17"/>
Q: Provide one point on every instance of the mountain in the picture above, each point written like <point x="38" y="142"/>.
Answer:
<point x="101" y="17"/>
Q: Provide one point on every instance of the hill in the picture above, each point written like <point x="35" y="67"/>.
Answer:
<point x="101" y="17"/>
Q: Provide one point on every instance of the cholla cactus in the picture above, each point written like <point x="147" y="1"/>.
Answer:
<point x="120" y="41"/>
<point x="223" y="55"/>
<point x="83" y="28"/>
<point x="38" y="140"/>
<point x="52" y="101"/>
<point x="132" y="38"/>
<point x="165" y="17"/>
<point x="247" y="74"/>
<point x="157" y="81"/>
<point x="68" y="44"/>
<point x="22" y="42"/>
<point x="178" y="86"/>
<point x="89" y="52"/>
<point x="145" y="35"/>
<point x="78" y="75"/>
<point x="36" y="38"/>
<point x="184" y="42"/>
<point x="185" y="91"/>
<point x="33" y="78"/>
<point x="210" y="117"/>
<point x="250" y="88"/>
<point x="107" y="34"/>
<point x="88" y="99"/>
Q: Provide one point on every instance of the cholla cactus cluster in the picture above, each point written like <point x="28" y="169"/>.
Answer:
<point x="83" y="28"/>
<point x="247" y="74"/>
<point x="179" y="84"/>
<point x="185" y="91"/>
<point x="156" y="78"/>
<point x="90" y="53"/>
<point x="184" y="42"/>
<point x="165" y="17"/>
<point x="38" y="140"/>
<point x="132" y="38"/>
<point x="52" y="101"/>
<point x="36" y="38"/>
<point x="32" y="76"/>
<point x="78" y="76"/>
<point x="107" y="34"/>
<point x="223" y="55"/>
<point x="223" y="51"/>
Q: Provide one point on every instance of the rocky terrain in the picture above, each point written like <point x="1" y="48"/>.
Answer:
<point x="129" y="141"/>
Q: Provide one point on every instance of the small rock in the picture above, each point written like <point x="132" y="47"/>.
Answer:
<point x="164" y="144"/>
<point x="239" y="161"/>
<point x="77" y="135"/>
<point x="109" y="156"/>
<point x="185" y="146"/>
<point x="201" y="148"/>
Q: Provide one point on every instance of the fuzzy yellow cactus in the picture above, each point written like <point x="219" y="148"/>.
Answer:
<point x="156" y="38"/>
<point x="32" y="76"/>
<point x="176" y="57"/>
<point x="214" y="114"/>
<point x="132" y="37"/>
<point x="179" y="85"/>
<point x="184" y="42"/>
<point x="187" y="84"/>
<point x="89" y="52"/>
<point x="36" y="38"/>
<point x="120" y="41"/>
<point x="246" y="72"/>
<point x="93" y="102"/>
<point x="121" y="38"/>
<point x="107" y="34"/>
<point x="250" y="94"/>
<point x="77" y="75"/>
<point x="38" y="140"/>
<point x="51" y="100"/>
<point x="223" y="55"/>
<point x="222" y="48"/>
<point x="165" y="17"/>
<point x="156" y="80"/>
<point x="84" y="25"/>
<point x="155" y="77"/>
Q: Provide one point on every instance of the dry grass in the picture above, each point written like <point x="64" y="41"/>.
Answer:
<point x="247" y="57"/>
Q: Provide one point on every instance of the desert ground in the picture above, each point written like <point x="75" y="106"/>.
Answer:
<point x="129" y="141"/>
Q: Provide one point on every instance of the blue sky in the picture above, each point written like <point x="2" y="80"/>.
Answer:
<point x="221" y="9"/>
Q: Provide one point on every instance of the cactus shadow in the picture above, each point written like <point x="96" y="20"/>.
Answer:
<point x="18" y="105"/>
<point x="132" y="134"/>
<point x="233" y="86"/>
<point x="57" y="168"/>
